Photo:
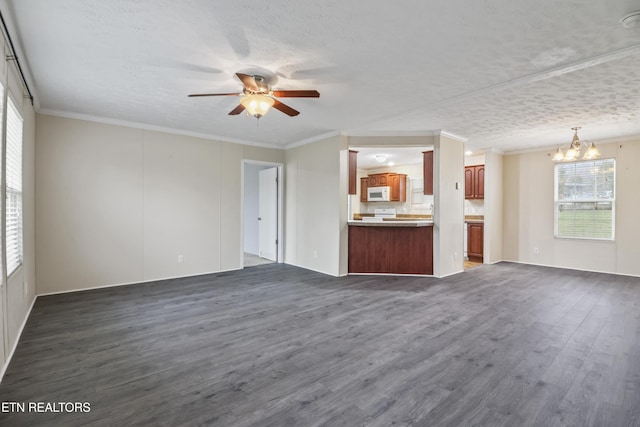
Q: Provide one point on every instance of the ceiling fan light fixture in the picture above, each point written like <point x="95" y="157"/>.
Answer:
<point x="257" y="105"/>
<point x="631" y="20"/>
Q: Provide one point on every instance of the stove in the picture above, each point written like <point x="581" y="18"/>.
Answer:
<point x="380" y="214"/>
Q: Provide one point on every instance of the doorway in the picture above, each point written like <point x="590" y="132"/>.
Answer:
<point x="262" y="213"/>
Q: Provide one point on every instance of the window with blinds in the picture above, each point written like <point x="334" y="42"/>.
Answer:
<point x="14" y="188"/>
<point x="585" y="199"/>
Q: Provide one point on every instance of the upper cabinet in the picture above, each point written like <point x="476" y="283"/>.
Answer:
<point x="427" y="162"/>
<point x="474" y="182"/>
<point x="353" y="172"/>
<point x="364" y="186"/>
<point x="396" y="182"/>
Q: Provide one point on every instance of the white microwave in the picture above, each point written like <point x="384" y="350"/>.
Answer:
<point x="378" y="194"/>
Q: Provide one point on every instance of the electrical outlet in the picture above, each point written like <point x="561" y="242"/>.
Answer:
<point x="315" y="254"/>
<point x="180" y="258"/>
<point x="536" y="250"/>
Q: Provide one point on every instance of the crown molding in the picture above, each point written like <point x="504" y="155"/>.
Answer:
<point x="389" y="133"/>
<point x="312" y="139"/>
<point x="144" y="126"/>
<point x="552" y="148"/>
<point x="452" y="136"/>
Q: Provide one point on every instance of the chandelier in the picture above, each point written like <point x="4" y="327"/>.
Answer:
<point x="573" y="152"/>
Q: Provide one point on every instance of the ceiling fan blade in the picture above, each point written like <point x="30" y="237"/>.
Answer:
<point x="285" y="108"/>
<point x="296" y="93"/>
<point x="239" y="109"/>
<point x="215" y="94"/>
<point x="248" y="81"/>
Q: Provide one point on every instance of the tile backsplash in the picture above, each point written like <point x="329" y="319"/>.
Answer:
<point x="474" y="207"/>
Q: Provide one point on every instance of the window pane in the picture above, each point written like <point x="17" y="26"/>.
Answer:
<point x="587" y="220"/>
<point x="585" y="199"/>
<point x="13" y="188"/>
<point x="585" y="180"/>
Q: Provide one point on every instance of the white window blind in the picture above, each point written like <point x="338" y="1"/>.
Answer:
<point x="585" y="199"/>
<point x="14" y="188"/>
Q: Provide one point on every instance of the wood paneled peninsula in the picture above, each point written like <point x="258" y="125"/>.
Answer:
<point x="391" y="246"/>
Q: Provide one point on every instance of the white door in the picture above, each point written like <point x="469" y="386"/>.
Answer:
<point x="268" y="217"/>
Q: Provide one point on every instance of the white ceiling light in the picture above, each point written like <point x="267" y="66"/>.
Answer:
<point x="631" y="20"/>
<point x="381" y="158"/>
<point x="257" y="105"/>
<point x="573" y="152"/>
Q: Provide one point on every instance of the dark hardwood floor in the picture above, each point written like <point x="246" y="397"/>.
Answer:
<point x="275" y="345"/>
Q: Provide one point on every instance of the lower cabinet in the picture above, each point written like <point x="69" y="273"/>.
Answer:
<point x="475" y="241"/>
<point x="399" y="250"/>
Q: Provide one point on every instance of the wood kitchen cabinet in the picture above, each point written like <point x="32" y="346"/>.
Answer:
<point x="398" y="184"/>
<point x="427" y="174"/>
<point x="353" y="172"/>
<point x="364" y="186"/>
<point x="395" y="181"/>
<point x="398" y="250"/>
<point x="379" y="180"/>
<point x="475" y="241"/>
<point x="474" y="182"/>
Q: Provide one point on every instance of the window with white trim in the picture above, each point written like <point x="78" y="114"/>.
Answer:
<point x="585" y="196"/>
<point x="13" y="171"/>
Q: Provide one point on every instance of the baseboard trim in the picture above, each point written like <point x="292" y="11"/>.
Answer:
<point x="393" y="275"/>
<point x="570" y="268"/>
<point x="312" y="269"/>
<point x="136" y="283"/>
<point x="15" y="344"/>
<point x="451" y="274"/>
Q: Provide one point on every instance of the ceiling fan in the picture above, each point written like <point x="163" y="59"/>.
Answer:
<point x="258" y="97"/>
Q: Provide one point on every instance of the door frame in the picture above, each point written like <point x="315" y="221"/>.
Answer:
<point x="280" y="191"/>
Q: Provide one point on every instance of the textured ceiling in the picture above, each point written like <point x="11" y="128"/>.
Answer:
<point x="505" y="74"/>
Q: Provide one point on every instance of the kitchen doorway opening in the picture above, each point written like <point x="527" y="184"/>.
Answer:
<point x="262" y="213"/>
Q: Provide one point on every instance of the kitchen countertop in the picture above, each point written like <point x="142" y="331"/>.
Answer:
<point x="474" y="219"/>
<point x="392" y="223"/>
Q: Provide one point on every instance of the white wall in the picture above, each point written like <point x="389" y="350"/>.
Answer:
<point x="118" y="204"/>
<point x="448" y="219"/>
<point x="528" y="211"/>
<point x="313" y="206"/>
<point x="492" y="207"/>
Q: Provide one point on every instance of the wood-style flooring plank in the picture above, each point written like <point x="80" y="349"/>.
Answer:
<point x="274" y="345"/>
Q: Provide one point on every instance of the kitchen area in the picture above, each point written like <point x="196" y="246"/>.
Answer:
<point x="474" y="188"/>
<point x="391" y="210"/>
